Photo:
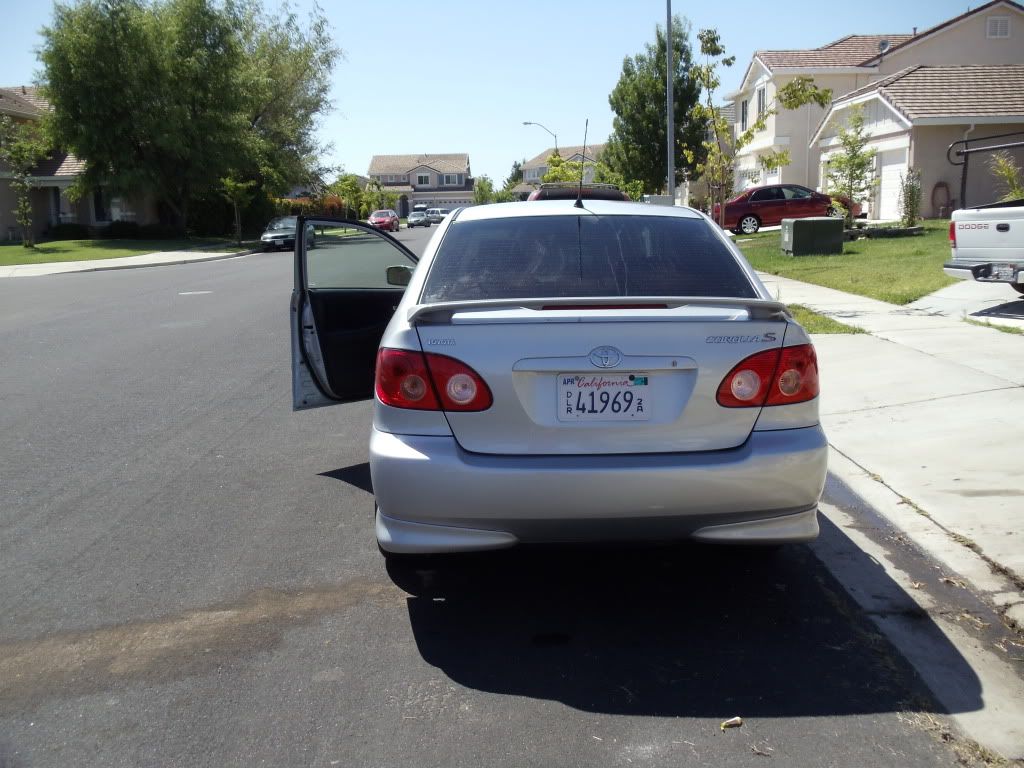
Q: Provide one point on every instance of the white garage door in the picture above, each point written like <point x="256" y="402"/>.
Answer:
<point x="893" y="165"/>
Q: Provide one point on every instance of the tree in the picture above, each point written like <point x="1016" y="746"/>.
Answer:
<point x="375" y="197"/>
<point x="350" y="191"/>
<point x="515" y="175"/>
<point x="1008" y="173"/>
<point x="715" y="155"/>
<point x="637" y="146"/>
<point x="203" y="89"/>
<point x="239" y="194"/>
<point x="483" y="190"/>
<point x="851" y="171"/>
<point x="22" y="146"/>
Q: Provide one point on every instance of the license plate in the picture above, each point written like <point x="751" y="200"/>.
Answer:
<point x="1007" y="272"/>
<point x="603" y="397"/>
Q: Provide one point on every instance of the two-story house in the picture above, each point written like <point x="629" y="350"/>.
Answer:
<point x="860" y="69"/>
<point x="52" y="177"/>
<point x="962" y="79"/>
<point x="838" y="66"/>
<point x="535" y="168"/>
<point x="443" y="181"/>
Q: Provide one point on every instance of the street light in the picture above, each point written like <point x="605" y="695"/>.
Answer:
<point x="527" y="122"/>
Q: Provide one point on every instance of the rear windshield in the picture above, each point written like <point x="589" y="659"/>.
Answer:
<point x="549" y="256"/>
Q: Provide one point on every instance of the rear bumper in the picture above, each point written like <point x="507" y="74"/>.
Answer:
<point x="981" y="272"/>
<point x="434" y="497"/>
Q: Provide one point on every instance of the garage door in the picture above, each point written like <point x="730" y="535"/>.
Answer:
<point x="893" y="164"/>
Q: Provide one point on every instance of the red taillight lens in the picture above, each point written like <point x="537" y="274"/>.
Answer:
<point x="426" y="382"/>
<point x="952" y="234"/>
<point x="773" y="377"/>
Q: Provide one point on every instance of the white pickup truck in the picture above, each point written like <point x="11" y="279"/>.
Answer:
<point x="988" y="244"/>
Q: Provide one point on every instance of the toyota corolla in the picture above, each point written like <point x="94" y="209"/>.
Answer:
<point x="560" y="372"/>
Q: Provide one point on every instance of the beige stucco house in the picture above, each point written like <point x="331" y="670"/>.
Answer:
<point x="440" y="180"/>
<point x="53" y="177"/>
<point x="989" y="39"/>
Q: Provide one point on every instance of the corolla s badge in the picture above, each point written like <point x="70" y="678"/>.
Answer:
<point x="606" y="357"/>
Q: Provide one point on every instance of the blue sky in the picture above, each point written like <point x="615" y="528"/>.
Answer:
<point x="463" y="75"/>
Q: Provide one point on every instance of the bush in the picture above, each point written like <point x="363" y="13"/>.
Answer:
<point x="157" y="232"/>
<point x="68" y="232"/>
<point x="121" y="230"/>
<point x="910" y="197"/>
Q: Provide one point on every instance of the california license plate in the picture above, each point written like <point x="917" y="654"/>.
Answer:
<point x="1004" y="272"/>
<point x="603" y="397"/>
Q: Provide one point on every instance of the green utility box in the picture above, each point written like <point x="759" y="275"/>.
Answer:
<point x="818" y="234"/>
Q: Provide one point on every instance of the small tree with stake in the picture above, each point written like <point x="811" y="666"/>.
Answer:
<point x="239" y="194"/>
<point x="851" y="171"/>
<point x="720" y="146"/>
<point x="22" y="146"/>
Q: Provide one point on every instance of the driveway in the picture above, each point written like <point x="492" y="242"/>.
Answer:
<point x="995" y="303"/>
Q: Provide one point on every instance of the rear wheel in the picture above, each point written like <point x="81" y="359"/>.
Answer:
<point x="749" y="225"/>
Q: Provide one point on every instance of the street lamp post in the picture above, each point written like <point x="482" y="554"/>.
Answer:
<point x="555" y="135"/>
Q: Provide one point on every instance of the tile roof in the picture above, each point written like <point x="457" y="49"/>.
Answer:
<point x="402" y="164"/>
<point x="18" y="102"/>
<point x="849" y="51"/>
<point x="60" y="164"/>
<point x="594" y="152"/>
<point x="970" y="91"/>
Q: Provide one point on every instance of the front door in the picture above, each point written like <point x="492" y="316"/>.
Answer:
<point x="347" y="286"/>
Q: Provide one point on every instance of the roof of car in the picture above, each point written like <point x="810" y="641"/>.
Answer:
<point x="568" y="208"/>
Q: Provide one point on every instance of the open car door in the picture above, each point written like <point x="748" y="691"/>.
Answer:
<point x="347" y="287"/>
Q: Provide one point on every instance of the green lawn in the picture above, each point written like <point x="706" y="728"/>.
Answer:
<point x="898" y="270"/>
<point x="817" y="323"/>
<point x="86" y="250"/>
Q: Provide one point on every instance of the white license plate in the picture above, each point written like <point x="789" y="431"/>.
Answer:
<point x="1005" y="272"/>
<point x="604" y="397"/>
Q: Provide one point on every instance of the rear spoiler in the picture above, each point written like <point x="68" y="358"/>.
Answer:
<point x="442" y="312"/>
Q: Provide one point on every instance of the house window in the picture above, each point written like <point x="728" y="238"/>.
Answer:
<point x="743" y="115"/>
<point x="997" y="27"/>
<point x="423" y="179"/>
<point x="761" y="106"/>
<point x="451" y="179"/>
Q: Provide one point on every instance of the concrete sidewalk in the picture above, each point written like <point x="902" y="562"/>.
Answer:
<point x="921" y="415"/>
<point x="125" y="262"/>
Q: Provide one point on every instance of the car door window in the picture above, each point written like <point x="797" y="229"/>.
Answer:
<point x="796" y="193"/>
<point x="766" y="195"/>
<point x="346" y="302"/>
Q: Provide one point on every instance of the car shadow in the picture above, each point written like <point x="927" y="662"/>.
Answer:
<point x="685" y="630"/>
<point x="356" y="475"/>
<point x="1012" y="310"/>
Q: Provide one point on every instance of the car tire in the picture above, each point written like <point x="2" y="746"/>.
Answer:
<point x="832" y="212"/>
<point x="749" y="224"/>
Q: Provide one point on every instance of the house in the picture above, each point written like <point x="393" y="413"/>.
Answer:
<point x="989" y="37"/>
<point x="535" y="168"/>
<point x="53" y="176"/>
<point x="443" y="181"/>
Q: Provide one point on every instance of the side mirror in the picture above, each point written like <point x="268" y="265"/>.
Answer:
<point x="399" y="275"/>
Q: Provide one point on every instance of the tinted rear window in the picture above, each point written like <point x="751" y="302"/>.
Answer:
<point x="547" y="256"/>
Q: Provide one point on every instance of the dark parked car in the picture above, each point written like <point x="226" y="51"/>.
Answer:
<point x="417" y="219"/>
<point x="566" y="190"/>
<point x="385" y="219"/>
<point x="280" y="233"/>
<point x="767" y="206"/>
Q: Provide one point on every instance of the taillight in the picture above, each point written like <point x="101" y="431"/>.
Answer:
<point x="428" y="382"/>
<point x="773" y="377"/>
<point x="952" y="234"/>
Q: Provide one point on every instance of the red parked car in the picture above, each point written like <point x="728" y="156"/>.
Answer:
<point x="767" y="206"/>
<point x="385" y="219"/>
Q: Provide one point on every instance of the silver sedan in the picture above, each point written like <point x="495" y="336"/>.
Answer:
<point x="554" y="373"/>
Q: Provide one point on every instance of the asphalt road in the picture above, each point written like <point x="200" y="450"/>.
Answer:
<point x="188" y="577"/>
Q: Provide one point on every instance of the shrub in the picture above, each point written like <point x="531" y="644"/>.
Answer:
<point x="157" y="232"/>
<point x="910" y="197"/>
<point x="121" y="230"/>
<point x="68" y="232"/>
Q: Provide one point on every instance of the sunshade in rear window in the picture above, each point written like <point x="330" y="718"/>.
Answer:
<point x="579" y="256"/>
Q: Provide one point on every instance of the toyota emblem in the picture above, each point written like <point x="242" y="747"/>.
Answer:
<point x="606" y="357"/>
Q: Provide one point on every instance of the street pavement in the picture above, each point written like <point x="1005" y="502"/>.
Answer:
<point x="188" y="574"/>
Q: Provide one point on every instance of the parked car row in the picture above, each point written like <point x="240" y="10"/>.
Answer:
<point x="767" y="206"/>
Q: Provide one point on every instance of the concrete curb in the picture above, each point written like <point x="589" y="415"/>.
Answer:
<point x="87" y="267"/>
